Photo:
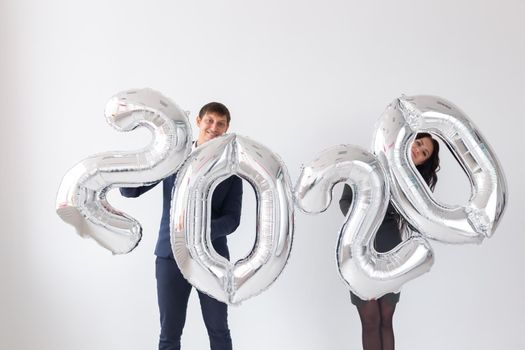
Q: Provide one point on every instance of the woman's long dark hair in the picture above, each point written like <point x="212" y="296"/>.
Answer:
<point x="430" y="167"/>
<point x="428" y="172"/>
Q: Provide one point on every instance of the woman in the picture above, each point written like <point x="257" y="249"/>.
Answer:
<point x="376" y="315"/>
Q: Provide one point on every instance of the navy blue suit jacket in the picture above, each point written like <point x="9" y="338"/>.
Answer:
<point x="226" y="206"/>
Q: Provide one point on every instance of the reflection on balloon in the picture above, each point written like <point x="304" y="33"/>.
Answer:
<point x="395" y="132"/>
<point x="369" y="274"/>
<point x="210" y="163"/>
<point x="81" y="199"/>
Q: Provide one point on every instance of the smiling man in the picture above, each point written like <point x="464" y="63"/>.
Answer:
<point x="211" y="122"/>
<point x="173" y="290"/>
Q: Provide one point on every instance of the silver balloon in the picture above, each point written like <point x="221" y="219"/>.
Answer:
<point x="368" y="274"/>
<point x="397" y="128"/>
<point x="207" y="166"/>
<point x="81" y="199"/>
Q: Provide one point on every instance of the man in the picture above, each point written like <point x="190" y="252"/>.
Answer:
<point x="172" y="289"/>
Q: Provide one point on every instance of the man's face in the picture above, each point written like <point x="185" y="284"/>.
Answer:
<point x="210" y="126"/>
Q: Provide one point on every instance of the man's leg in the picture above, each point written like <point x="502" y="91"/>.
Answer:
<point x="173" y="292"/>
<point x="215" y="314"/>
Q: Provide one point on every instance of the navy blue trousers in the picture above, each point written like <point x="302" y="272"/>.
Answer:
<point x="173" y="292"/>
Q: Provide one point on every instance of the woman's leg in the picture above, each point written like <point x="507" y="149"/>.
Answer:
<point x="387" y="308"/>
<point x="370" y="315"/>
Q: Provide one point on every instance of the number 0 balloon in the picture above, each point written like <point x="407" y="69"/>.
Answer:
<point x="395" y="132"/>
<point x="190" y="218"/>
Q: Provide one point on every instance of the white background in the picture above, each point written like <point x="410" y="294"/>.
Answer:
<point x="298" y="77"/>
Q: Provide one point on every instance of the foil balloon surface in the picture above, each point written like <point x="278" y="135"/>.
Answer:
<point x="81" y="199"/>
<point x="396" y="130"/>
<point x="367" y="273"/>
<point x="205" y="168"/>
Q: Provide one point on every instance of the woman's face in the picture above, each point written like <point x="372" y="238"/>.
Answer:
<point x="422" y="150"/>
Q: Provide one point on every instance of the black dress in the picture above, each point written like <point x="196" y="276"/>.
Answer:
<point x="388" y="237"/>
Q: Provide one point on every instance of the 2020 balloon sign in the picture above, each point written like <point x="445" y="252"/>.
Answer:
<point x="385" y="174"/>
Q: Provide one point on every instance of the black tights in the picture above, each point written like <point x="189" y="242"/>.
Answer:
<point x="376" y="321"/>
